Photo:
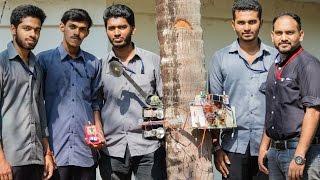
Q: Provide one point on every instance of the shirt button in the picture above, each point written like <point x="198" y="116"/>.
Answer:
<point x="251" y="112"/>
<point x="275" y="82"/>
<point x="279" y="68"/>
<point x="272" y="127"/>
<point x="251" y="95"/>
<point x="274" y="97"/>
<point x="71" y="147"/>
<point x="72" y="116"/>
<point x="272" y="112"/>
<point x="72" y="84"/>
<point x="72" y="99"/>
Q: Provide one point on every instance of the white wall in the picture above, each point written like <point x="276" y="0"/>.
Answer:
<point x="97" y="41"/>
<point x="216" y="23"/>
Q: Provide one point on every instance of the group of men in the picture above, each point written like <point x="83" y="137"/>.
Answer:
<point x="48" y="100"/>
<point x="277" y="99"/>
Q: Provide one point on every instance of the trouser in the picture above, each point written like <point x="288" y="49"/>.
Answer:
<point x="32" y="172"/>
<point x="279" y="161"/>
<point x="244" y="167"/>
<point x="74" y="173"/>
<point x="146" y="167"/>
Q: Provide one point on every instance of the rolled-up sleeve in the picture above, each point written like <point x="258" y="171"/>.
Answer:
<point x="215" y="78"/>
<point x="310" y="84"/>
<point x="95" y="86"/>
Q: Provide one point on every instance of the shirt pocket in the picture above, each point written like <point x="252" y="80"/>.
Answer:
<point x="288" y="90"/>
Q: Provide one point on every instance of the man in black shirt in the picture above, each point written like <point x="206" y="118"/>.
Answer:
<point x="293" y="101"/>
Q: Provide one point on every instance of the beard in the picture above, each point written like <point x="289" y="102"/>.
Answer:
<point x="21" y="43"/>
<point x="126" y="42"/>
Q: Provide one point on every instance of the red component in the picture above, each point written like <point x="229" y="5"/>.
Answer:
<point x="91" y="134"/>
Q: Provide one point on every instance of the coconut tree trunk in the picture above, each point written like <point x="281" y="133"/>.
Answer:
<point x="181" y="50"/>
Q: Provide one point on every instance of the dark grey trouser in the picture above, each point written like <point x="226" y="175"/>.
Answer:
<point x="146" y="167"/>
<point x="34" y="172"/>
<point x="244" y="167"/>
<point x="74" y="173"/>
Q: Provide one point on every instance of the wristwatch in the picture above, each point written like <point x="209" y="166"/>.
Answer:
<point x="299" y="160"/>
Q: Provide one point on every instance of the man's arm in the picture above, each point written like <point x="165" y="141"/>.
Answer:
<point x="264" y="147"/>
<point x="97" y="100"/>
<point x="5" y="168"/>
<point x="308" y="130"/>
<point x="99" y="127"/>
<point x="215" y="86"/>
<point x="49" y="163"/>
<point x="310" y="93"/>
<point x="48" y="155"/>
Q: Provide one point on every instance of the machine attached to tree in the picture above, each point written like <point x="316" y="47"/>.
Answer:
<point x="152" y="113"/>
<point x="207" y="111"/>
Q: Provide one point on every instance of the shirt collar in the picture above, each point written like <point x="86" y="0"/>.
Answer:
<point x="63" y="53"/>
<point x="12" y="53"/>
<point x="281" y="58"/>
<point x="138" y="54"/>
<point x="235" y="47"/>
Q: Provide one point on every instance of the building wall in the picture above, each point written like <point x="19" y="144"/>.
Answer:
<point x="216" y="23"/>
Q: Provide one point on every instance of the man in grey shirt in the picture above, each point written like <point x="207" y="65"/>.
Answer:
<point x="24" y="149"/>
<point x="127" y="151"/>
<point x="240" y="70"/>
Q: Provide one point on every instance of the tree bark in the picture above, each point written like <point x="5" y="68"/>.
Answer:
<point x="182" y="68"/>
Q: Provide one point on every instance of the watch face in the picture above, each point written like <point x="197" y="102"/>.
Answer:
<point x="299" y="160"/>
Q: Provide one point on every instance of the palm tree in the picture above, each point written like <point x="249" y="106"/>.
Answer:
<point x="181" y="50"/>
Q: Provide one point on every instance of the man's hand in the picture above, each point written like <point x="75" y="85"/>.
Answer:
<point x="102" y="140"/>
<point x="295" y="171"/>
<point x="261" y="158"/>
<point x="49" y="166"/>
<point x="221" y="161"/>
<point x="5" y="170"/>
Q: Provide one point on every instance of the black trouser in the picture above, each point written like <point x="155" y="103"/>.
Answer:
<point x="74" y="173"/>
<point x="244" y="167"/>
<point x="146" y="167"/>
<point x="32" y="172"/>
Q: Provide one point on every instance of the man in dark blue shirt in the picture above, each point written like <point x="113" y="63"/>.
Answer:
<point x="293" y="101"/>
<point x="71" y="78"/>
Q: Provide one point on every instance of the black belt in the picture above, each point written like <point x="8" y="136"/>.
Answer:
<point x="290" y="143"/>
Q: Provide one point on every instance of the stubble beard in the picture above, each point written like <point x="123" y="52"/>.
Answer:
<point x="23" y="45"/>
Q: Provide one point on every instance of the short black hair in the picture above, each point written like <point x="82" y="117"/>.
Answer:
<point x="75" y="14"/>
<point x="24" y="11"/>
<point x="246" y="5"/>
<point x="290" y="14"/>
<point x="119" y="10"/>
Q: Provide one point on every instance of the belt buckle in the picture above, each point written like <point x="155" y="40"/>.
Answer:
<point x="281" y="145"/>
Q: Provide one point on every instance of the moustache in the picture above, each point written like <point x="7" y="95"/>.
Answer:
<point x="286" y="43"/>
<point x="75" y="37"/>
